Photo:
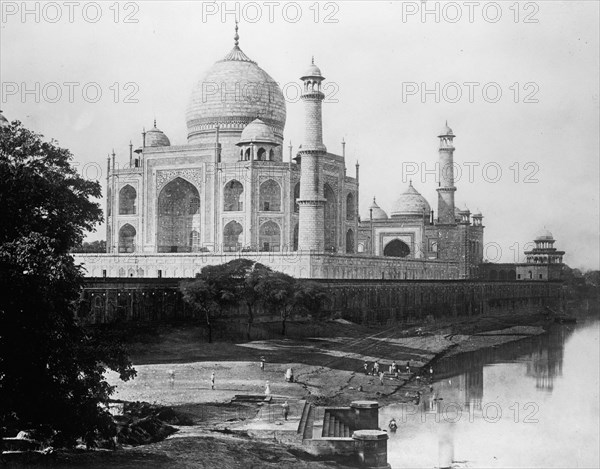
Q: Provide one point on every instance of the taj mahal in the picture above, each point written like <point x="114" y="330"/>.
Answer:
<point x="235" y="190"/>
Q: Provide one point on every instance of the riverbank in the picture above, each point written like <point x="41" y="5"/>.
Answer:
<point x="328" y="370"/>
<point x="174" y="370"/>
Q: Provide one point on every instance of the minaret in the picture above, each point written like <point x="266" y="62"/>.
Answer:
<point x="311" y="235"/>
<point x="446" y="187"/>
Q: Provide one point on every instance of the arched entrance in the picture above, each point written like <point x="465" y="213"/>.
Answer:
<point x="127" y="238"/>
<point x="231" y="236"/>
<point x="178" y="216"/>
<point x="269" y="237"/>
<point x="127" y="196"/>
<point x="232" y="196"/>
<point x="350" y="242"/>
<point x="396" y="248"/>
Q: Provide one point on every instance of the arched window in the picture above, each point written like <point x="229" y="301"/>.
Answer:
<point x="271" y="155"/>
<point x="178" y="216"/>
<point x="127" y="238"/>
<point x="330" y="217"/>
<point x="270" y="196"/>
<point x="127" y="197"/>
<point x="396" y="248"/>
<point x="247" y="154"/>
<point x="350" y="242"/>
<point x="241" y="154"/>
<point x="261" y="155"/>
<point x="231" y="236"/>
<point x="232" y="196"/>
<point x="270" y="237"/>
<point x="295" y="240"/>
<point x="350" y="207"/>
<point x="195" y="241"/>
<point x="296" y="197"/>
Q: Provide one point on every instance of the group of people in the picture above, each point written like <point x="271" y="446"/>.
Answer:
<point x="394" y="369"/>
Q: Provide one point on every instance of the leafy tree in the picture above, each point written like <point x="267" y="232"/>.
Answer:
<point x="51" y="369"/>
<point x="202" y="296"/>
<point x="277" y="292"/>
<point x="245" y="276"/>
<point x="287" y="295"/>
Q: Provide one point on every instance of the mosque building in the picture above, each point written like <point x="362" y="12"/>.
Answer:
<point x="235" y="190"/>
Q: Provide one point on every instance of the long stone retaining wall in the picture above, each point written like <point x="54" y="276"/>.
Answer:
<point x="108" y="300"/>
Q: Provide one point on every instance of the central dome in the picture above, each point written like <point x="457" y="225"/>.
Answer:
<point x="411" y="204"/>
<point x="233" y="93"/>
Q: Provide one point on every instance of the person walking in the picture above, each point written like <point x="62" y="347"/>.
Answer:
<point x="395" y="369"/>
<point x="286" y="410"/>
<point x="376" y="368"/>
<point x="267" y="389"/>
<point x="262" y="363"/>
<point x="366" y="368"/>
<point x="171" y="378"/>
<point x="381" y="375"/>
<point x="408" y="367"/>
<point x="212" y="380"/>
<point x="431" y="373"/>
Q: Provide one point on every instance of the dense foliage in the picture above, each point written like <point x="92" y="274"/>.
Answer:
<point x="51" y="369"/>
<point x="242" y="282"/>
<point x="580" y="285"/>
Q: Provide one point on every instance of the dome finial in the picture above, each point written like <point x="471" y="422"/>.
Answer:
<point x="312" y="60"/>
<point x="236" y="38"/>
<point x="155" y="122"/>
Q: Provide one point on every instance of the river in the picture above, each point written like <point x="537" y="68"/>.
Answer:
<point x="531" y="403"/>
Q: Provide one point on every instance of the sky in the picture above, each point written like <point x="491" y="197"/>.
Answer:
<point x="518" y="82"/>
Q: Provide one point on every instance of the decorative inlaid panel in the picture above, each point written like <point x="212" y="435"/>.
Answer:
<point x="164" y="176"/>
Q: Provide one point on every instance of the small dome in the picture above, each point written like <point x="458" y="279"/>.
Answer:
<point x="312" y="71"/>
<point x="411" y="203"/>
<point x="258" y="132"/>
<point x="544" y="235"/>
<point x="446" y="131"/>
<point x="376" y="212"/>
<point x="156" y="138"/>
<point x="3" y="120"/>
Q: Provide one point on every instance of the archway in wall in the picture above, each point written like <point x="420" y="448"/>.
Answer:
<point x="270" y="196"/>
<point x="296" y="197"/>
<point x="295" y="239"/>
<point x="127" y="196"/>
<point x="232" y="196"/>
<point x="396" y="248"/>
<point x="350" y="242"/>
<point x="330" y="218"/>
<point x="178" y="216"/>
<point x="127" y="238"/>
<point x="350" y="207"/>
<point x="269" y="237"/>
<point x="231" y="236"/>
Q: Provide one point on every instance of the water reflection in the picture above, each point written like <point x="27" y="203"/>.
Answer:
<point x="531" y="403"/>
